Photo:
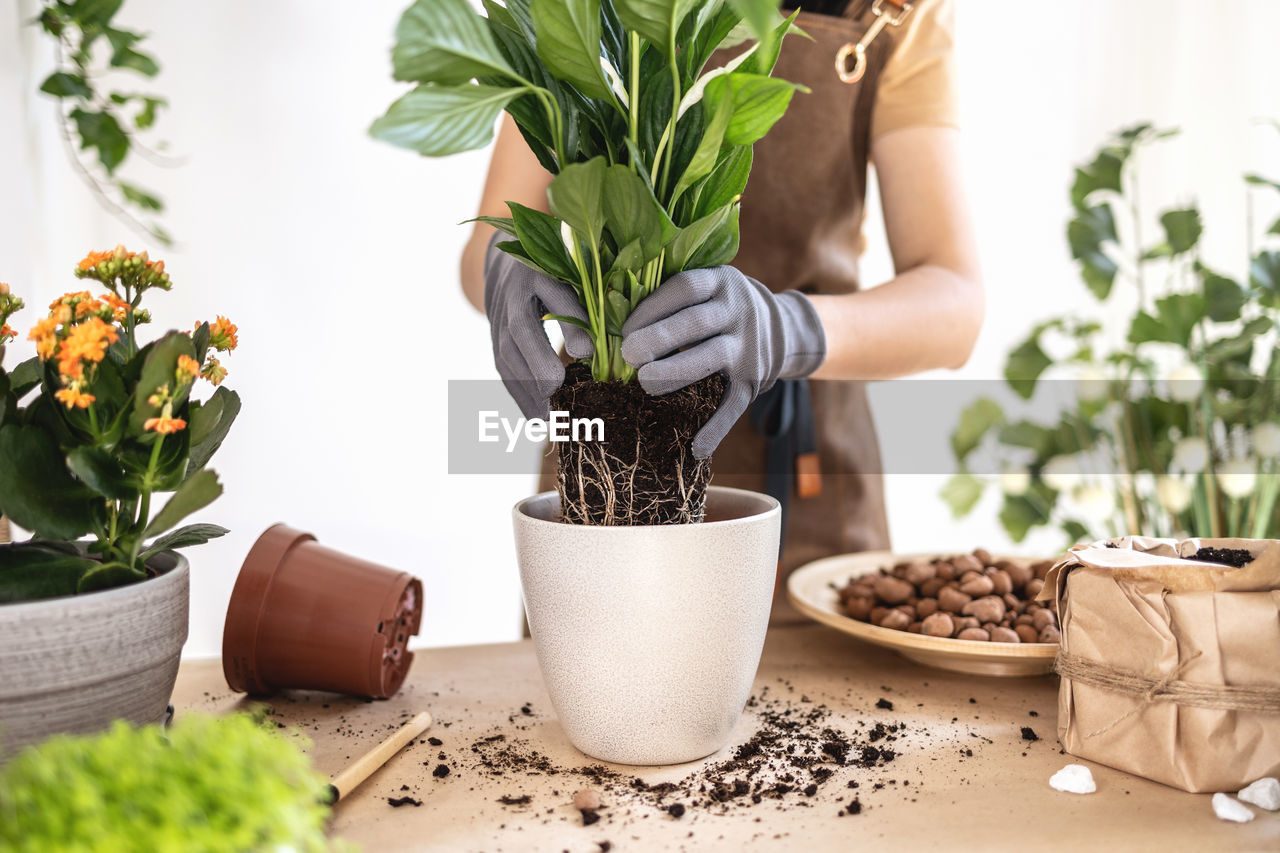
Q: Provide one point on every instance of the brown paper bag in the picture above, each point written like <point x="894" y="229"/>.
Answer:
<point x="1170" y="667"/>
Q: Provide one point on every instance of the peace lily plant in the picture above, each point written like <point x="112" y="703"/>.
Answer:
<point x="1173" y="430"/>
<point x="650" y="151"/>
<point x="97" y="426"/>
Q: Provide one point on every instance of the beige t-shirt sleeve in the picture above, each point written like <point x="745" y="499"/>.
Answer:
<point x="918" y="84"/>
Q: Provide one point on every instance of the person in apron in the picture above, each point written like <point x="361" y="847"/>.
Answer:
<point x="881" y="89"/>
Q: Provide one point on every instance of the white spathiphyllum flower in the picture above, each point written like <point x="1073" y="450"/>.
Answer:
<point x="1266" y="440"/>
<point x="1060" y="473"/>
<point x="615" y="81"/>
<point x="699" y="88"/>
<point x="1015" y="481"/>
<point x="1091" y="384"/>
<point x="566" y="237"/>
<point x="1191" y="455"/>
<point x="1186" y="383"/>
<point x="1174" y="494"/>
<point x="1238" y="478"/>
<point x="1096" y="503"/>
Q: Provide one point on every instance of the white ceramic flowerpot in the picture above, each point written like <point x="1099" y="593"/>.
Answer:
<point x="76" y="663"/>
<point x="649" y="637"/>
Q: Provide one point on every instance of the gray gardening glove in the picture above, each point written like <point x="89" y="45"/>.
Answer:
<point x="731" y="324"/>
<point x="515" y="300"/>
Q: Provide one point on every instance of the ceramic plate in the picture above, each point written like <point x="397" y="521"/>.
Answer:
<point x="812" y="589"/>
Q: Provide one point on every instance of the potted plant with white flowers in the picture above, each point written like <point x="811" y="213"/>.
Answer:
<point x="647" y="649"/>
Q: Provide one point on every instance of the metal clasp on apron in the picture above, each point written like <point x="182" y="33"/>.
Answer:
<point x="859" y="50"/>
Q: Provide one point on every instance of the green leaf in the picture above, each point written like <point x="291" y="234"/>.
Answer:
<point x="758" y="103"/>
<point x="505" y="224"/>
<point x="160" y="369"/>
<point x="62" y="84"/>
<point x="1033" y="436"/>
<point x="760" y="16"/>
<point x="1024" y="366"/>
<point x="442" y="120"/>
<point x="1086" y="234"/>
<point x="33" y="572"/>
<point x="100" y="472"/>
<point x="657" y="21"/>
<point x="978" y="418"/>
<point x="726" y="182"/>
<point x="109" y="576"/>
<point x="184" y="537"/>
<point x="1259" y="181"/>
<point x="539" y="234"/>
<point x="195" y="493"/>
<point x="1264" y="271"/>
<point x="616" y="310"/>
<point x="100" y="130"/>
<point x="1104" y="173"/>
<point x="1238" y="346"/>
<point x="1177" y="316"/>
<point x="36" y="489"/>
<point x="206" y="436"/>
<point x="25" y="376"/>
<point x="720" y="246"/>
<point x="93" y="13"/>
<point x="765" y="57"/>
<point x="127" y="57"/>
<point x="1224" y="298"/>
<point x="576" y="195"/>
<point x="568" y="40"/>
<point x="962" y="493"/>
<point x="1020" y="513"/>
<point x="146" y="116"/>
<point x="634" y="214"/>
<point x="141" y="198"/>
<point x="707" y="152"/>
<point x="1182" y="229"/>
<point x="690" y="240"/>
<point x="1075" y="532"/>
<point x="572" y="321"/>
<point x="445" y="42"/>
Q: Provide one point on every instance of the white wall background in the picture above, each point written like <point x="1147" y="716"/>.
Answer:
<point x="337" y="255"/>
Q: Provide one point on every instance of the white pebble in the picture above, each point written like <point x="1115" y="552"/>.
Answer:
<point x="1228" y="809"/>
<point x="1074" y="779"/>
<point x="1265" y="793"/>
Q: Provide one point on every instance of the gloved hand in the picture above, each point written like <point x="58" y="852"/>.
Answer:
<point x="731" y="324"/>
<point x="515" y="300"/>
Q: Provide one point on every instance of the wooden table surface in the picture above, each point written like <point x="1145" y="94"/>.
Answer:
<point x="934" y="794"/>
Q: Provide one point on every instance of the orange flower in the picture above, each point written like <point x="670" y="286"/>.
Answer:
<point x="188" y="368"/>
<point x="92" y="259"/>
<point x="165" y="425"/>
<point x="213" y="371"/>
<point x="119" y="307"/>
<point x="45" y="334"/>
<point x="7" y="333"/>
<point x="73" y="397"/>
<point x="223" y="334"/>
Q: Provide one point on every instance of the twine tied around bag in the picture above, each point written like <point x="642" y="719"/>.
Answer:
<point x="1168" y="688"/>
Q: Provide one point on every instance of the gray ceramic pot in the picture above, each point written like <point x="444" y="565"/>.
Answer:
<point x="649" y="637"/>
<point x="74" y="664"/>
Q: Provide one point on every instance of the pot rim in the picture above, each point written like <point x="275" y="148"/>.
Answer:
<point x="522" y="515"/>
<point x="180" y="567"/>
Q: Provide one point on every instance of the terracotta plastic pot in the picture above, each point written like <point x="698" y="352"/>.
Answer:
<point x="306" y="616"/>
<point x="648" y="637"/>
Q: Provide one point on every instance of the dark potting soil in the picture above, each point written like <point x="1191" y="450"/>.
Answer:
<point x="397" y="802"/>
<point x="1234" y="557"/>
<point x="643" y="472"/>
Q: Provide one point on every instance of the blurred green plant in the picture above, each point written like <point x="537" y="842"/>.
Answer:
<point x="207" y="785"/>
<point x="1171" y="431"/>
<point x="102" y="118"/>
<point x="650" y="154"/>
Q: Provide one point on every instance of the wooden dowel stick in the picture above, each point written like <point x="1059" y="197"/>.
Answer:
<point x="364" y="766"/>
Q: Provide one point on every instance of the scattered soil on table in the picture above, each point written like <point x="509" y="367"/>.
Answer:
<point x="441" y="771"/>
<point x="643" y="472"/>
<point x="794" y="753"/>
<point x="1029" y="733"/>
<point x="510" y="800"/>
<point x="397" y="802"/>
<point x="1237" y="558"/>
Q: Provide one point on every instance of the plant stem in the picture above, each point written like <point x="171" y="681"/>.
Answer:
<point x="144" y="506"/>
<point x="634" y="101"/>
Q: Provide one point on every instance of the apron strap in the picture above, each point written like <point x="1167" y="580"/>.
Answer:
<point x="784" y="416"/>
<point x="882" y="18"/>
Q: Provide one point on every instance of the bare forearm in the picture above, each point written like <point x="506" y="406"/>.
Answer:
<point x="926" y="318"/>
<point x="473" y="265"/>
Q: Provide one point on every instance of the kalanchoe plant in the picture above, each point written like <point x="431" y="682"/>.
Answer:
<point x="1171" y="428"/>
<point x="96" y="426"/>
<point x="650" y="151"/>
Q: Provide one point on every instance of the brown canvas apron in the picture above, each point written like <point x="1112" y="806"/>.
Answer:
<point x="801" y="226"/>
